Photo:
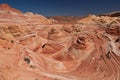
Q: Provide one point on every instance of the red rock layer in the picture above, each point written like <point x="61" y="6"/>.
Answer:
<point x="86" y="50"/>
<point x="6" y="7"/>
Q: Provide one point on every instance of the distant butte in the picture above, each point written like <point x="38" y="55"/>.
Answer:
<point x="33" y="47"/>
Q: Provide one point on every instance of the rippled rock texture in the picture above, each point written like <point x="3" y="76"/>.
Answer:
<point x="86" y="50"/>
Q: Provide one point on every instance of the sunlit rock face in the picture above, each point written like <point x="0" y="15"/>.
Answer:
<point x="10" y="15"/>
<point x="43" y="50"/>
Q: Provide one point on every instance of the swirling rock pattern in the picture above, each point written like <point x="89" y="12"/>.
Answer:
<point x="86" y="50"/>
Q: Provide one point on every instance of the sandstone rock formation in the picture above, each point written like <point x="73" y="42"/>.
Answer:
<point x="112" y="14"/>
<point x="65" y="19"/>
<point x="33" y="48"/>
<point x="12" y="16"/>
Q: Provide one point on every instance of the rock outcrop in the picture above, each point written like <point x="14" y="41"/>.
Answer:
<point x="33" y="48"/>
<point x="113" y="14"/>
<point x="65" y="19"/>
<point x="10" y="15"/>
<point x="5" y="8"/>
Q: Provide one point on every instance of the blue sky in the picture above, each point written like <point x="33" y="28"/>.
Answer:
<point x="65" y="7"/>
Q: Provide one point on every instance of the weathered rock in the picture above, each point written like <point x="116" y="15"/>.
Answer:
<point x="12" y="16"/>
<point x="36" y="49"/>
<point x="113" y="14"/>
